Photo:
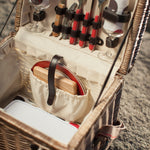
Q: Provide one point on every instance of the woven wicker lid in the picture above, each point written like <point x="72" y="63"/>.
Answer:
<point x="135" y="36"/>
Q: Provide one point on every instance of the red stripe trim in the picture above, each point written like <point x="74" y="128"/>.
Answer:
<point x="107" y="135"/>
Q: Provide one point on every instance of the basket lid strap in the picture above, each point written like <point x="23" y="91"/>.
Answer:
<point x="107" y="134"/>
<point x="112" y="131"/>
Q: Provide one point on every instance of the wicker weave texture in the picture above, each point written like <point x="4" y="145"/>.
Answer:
<point x="14" y="135"/>
<point x="135" y="36"/>
<point x="17" y="136"/>
<point x="101" y="116"/>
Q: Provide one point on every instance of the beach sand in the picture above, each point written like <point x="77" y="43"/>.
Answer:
<point x="135" y="101"/>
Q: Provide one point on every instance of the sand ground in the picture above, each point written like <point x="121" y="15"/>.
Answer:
<point x="135" y="101"/>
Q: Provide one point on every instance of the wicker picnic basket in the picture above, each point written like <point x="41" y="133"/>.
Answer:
<point x="94" y="129"/>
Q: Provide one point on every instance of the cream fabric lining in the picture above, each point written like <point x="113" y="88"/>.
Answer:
<point x="93" y="67"/>
<point x="66" y="106"/>
<point x="81" y="61"/>
<point x="86" y="65"/>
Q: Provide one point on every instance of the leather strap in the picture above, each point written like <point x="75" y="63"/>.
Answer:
<point x="112" y="131"/>
<point x="113" y="17"/>
<point x="106" y="135"/>
<point x="51" y="75"/>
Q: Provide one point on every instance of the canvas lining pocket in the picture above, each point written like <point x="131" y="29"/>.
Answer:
<point x="66" y="106"/>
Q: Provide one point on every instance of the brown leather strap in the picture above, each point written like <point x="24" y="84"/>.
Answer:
<point x="51" y="76"/>
<point x="106" y="135"/>
<point x="111" y="131"/>
<point x="113" y="17"/>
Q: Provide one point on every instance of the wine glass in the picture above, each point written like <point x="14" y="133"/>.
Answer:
<point x="38" y="14"/>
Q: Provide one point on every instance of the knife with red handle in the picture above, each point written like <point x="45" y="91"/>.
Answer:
<point x="76" y="23"/>
<point x="85" y="28"/>
<point x="94" y="34"/>
<point x="75" y="27"/>
<point x="95" y="29"/>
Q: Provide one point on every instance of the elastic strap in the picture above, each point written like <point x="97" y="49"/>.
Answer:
<point x="87" y="23"/>
<point x="84" y="37"/>
<point x="51" y="78"/>
<point x="70" y="15"/>
<point x="75" y="34"/>
<point x="60" y="11"/>
<point x="96" y="40"/>
<point x="66" y="30"/>
<point x="56" y="29"/>
<point x="79" y="17"/>
<point x="113" y="17"/>
<point x="96" y="25"/>
<point x="39" y="16"/>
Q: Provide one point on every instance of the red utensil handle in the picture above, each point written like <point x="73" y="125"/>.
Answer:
<point x="75" y="27"/>
<point x="84" y="29"/>
<point x="94" y="34"/>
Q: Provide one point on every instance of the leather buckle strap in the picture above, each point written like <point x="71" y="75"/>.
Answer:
<point x="51" y="75"/>
<point x="106" y="135"/>
<point x="113" y="17"/>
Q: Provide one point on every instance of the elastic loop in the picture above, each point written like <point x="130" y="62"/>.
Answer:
<point x="75" y="34"/>
<point x="88" y="23"/>
<point x="69" y="15"/>
<point x="96" y="25"/>
<point x="60" y="11"/>
<point x="113" y="17"/>
<point x="56" y="29"/>
<point x="66" y="30"/>
<point x="79" y="17"/>
<point x="96" y="41"/>
<point x="39" y="16"/>
<point x="84" y="37"/>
